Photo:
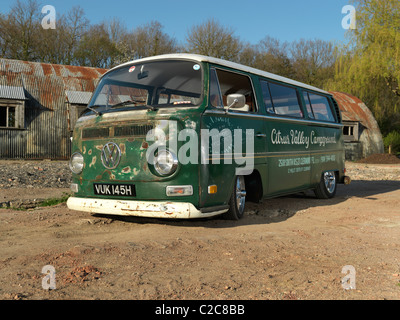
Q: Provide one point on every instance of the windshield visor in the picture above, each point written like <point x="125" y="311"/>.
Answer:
<point x="150" y="85"/>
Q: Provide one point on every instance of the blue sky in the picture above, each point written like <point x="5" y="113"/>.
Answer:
<point x="252" y="20"/>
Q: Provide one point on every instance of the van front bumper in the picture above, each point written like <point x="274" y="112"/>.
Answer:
<point x="153" y="209"/>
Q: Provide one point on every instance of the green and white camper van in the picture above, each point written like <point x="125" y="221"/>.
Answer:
<point x="190" y="136"/>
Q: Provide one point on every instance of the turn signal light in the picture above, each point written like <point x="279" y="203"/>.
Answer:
<point x="212" y="189"/>
<point x="179" y="191"/>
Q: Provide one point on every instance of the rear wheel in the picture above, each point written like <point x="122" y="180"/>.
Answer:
<point x="237" y="201"/>
<point x="326" y="188"/>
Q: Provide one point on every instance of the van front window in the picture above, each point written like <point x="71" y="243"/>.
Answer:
<point x="150" y="85"/>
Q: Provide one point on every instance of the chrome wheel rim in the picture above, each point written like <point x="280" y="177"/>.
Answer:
<point x="330" y="181"/>
<point x="240" y="191"/>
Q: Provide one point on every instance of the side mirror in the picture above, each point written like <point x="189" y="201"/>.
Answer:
<point x="235" y="100"/>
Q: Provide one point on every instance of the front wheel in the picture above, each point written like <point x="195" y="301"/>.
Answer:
<point x="326" y="188"/>
<point x="237" y="200"/>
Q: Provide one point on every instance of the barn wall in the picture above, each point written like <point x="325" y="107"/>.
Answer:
<point x="45" y="134"/>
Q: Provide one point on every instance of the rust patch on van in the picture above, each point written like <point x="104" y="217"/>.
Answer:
<point x="122" y="147"/>
<point x="145" y="166"/>
<point x="126" y="169"/>
<point x="93" y="161"/>
<point x="145" y="145"/>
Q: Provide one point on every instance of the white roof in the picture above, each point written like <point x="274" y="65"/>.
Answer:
<point x="78" y="97"/>
<point x="9" y="92"/>
<point x="233" y="65"/>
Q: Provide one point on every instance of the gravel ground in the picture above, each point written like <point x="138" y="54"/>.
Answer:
<point x="34" y="174"/>
<point x="373" y="172"/>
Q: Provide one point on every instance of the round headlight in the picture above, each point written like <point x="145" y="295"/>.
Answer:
<point x="76" y="163"/>
<point x="165" y="163"/>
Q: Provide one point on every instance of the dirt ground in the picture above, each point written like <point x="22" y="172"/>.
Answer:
<point x="291" y="247"/>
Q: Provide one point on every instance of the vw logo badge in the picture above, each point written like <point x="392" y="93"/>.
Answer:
<point x="110" y="155"/>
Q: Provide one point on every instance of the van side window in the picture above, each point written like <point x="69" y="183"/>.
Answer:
<point x="321" y="107"/>
<point x="285" y="100"/>
<point x="215" y="94"/>
<point x="231" y="82"/>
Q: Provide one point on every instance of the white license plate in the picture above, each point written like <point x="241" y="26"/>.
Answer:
<point x="108" y="189"/>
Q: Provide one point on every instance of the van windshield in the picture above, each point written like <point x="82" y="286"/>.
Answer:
<point x="149" y="85"/>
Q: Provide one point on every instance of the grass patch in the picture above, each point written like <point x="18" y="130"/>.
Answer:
<point x="54" y="201"/>
<point x="31" y="204"/>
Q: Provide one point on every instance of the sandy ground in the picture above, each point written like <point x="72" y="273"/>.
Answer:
<point x="285" y="248"/>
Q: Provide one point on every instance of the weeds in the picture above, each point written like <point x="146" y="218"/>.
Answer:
<point x="54" y="201"/>
<point x="30" y="204"/>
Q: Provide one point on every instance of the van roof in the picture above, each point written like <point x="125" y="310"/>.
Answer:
<point x="233" y="65"/>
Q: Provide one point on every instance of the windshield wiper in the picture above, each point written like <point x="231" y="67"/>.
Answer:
<point x="123" y="103"/>
<point x="92" y="109"/>
<point x="134" y="102"/>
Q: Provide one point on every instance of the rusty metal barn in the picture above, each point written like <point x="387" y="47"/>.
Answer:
<point x="361" y="133"/>
<point x="39" y="104"/>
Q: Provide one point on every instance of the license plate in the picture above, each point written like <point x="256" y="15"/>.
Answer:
<point x="107" y="189"/>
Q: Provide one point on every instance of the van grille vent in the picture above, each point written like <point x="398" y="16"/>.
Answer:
<point x="123" y="131"/>
<point x="134" y="130"/>
<point x="93" y="133"/>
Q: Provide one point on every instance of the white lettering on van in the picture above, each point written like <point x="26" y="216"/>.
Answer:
<point x="298" y="137"/>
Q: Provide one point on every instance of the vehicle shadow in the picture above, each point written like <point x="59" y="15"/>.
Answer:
<point x="278" y="209"/>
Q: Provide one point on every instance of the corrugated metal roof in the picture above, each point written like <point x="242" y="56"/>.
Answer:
<point x="369" y="135"/>
<point x="353" y="109"/>
<point x="48" y="83"/>
<point x="10" y="92"/>
<point x="78" y="97"/>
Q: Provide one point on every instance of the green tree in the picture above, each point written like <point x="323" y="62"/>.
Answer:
<point x="370" y="66"/>
<point x="392" y="141"/>
<point x="96" y="48"/>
